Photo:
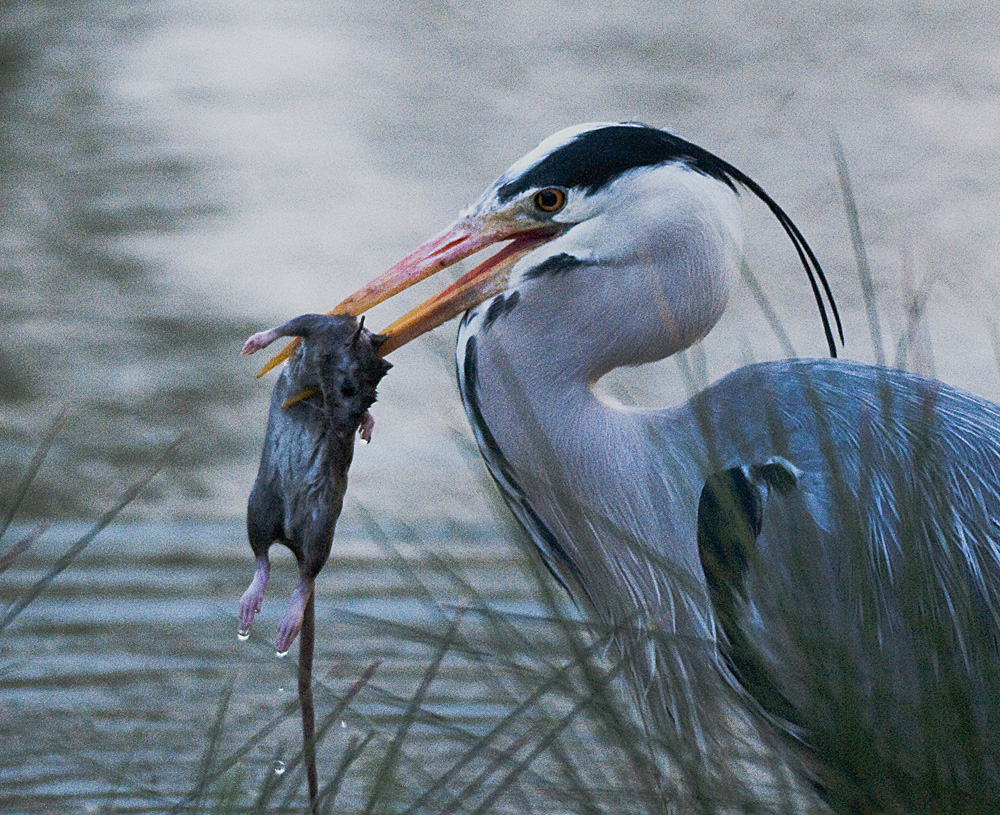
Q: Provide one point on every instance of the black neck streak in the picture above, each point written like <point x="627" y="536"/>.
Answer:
<point x="504" y="475"/>
<point x="500" y="306"/>
<point x="554" y="266"/>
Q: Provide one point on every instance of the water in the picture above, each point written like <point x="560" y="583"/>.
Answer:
<point x="175" y="176"/>
<point x="110" y="682"/>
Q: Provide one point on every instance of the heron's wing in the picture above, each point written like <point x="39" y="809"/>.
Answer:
<point x="730" y="519"/>
<point x="890" y="670"/>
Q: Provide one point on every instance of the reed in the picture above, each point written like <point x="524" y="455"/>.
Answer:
<point x="566" y="733"/>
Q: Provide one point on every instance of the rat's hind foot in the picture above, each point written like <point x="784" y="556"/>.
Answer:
<point x="249" y="606"/>
<point x="253" y="597"/>
<point x="291" y="622"/>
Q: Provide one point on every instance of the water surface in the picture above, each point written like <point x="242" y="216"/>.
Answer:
<point x="176" y="175"/>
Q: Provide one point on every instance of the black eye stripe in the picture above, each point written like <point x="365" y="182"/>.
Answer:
<point x="596" y="158"/>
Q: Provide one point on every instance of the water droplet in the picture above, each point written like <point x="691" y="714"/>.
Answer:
<point x="281" y="690"/>
<point x="243" y="634"/>
<point x="343" y="724"/>
<point x="279" y="767"/>
<point x="281" y="654"/>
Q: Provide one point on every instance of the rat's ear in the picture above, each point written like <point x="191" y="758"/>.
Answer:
<point x="353" y="343"/>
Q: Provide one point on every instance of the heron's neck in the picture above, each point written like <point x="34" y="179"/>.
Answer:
<point x="647" y="276"/>
<point x="633" y="283"/>
<point x="596" y="474"/>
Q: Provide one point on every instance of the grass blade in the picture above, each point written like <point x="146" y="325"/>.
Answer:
<point x="757" y="292"/>
<point x="36" y="463"/>
<point x="387" y="768"/>
<point x="860" y="255"/>
<point x="7" y="560"/>
<point x="127" y="497"/>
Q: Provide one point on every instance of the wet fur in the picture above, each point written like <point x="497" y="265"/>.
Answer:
<point x="299" y="491"/>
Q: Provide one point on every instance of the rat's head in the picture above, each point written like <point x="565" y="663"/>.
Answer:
<point x="339" y="358"/>
<point x="351" y="372"/>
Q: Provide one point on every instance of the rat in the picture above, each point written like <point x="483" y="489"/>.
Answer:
<point x="320" y="401"/>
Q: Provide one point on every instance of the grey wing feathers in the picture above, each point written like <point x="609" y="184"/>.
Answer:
<point x="730" y="519"/>
<point x="883" y="657"/>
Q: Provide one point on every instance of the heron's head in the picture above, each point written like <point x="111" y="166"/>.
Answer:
<point x="615" y="198"/>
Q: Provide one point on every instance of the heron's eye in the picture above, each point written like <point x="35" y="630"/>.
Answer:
<point x="550" y="200"/>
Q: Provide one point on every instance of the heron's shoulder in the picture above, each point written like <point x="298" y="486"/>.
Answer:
<point x="851" y="382"/>
<point x="843" y="401"/>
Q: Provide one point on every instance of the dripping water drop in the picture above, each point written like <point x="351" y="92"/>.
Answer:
<point x="279" y="767"/>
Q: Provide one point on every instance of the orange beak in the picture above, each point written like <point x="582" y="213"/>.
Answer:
<point x="463" y="238"/>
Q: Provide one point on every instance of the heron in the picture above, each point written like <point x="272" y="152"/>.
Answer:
<point x="825" y="533"/>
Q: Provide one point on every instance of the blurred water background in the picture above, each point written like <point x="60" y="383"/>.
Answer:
<point x="176" y="175"/>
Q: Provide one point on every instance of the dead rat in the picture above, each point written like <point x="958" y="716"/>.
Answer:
<point x="320" y="401"/>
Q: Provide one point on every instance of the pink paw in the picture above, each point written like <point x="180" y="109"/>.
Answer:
<point x="291" y="622"/>
<point x="252" y="598"/>
<point x="366" y="427"/>
<point x="287" y="632"/>
<point x="261" y="339"/>
<point x="250" y="604"/>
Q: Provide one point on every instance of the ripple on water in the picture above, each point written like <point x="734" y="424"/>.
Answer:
<point x="101" y="674"/>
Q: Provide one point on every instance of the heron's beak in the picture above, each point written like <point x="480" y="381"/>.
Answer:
<point x="463" y="238"/>
<point x="486" y="280"/>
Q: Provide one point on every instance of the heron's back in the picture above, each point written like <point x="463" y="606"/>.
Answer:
<point x="865" y="609"/>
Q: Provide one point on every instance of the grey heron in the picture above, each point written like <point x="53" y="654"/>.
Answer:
<point x="831" y="530"/>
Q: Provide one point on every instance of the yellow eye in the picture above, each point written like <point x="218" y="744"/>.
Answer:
<point x="550" y="200"/>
